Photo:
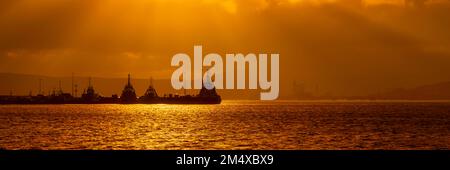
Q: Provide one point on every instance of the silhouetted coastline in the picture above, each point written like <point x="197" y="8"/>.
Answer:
<point x="128" y="96"/>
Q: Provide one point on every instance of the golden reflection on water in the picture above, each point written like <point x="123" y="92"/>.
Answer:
<point x="231" y="125"/>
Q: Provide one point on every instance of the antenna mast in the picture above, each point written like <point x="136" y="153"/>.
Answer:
<point x="40" y="86"/>
<point x="72" y="84"/>
<point x="129" y="82"/>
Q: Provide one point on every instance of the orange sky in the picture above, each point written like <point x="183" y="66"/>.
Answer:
<point x="345" y="47"/>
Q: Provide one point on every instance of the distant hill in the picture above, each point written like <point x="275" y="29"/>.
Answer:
<point x="438" y="91"/>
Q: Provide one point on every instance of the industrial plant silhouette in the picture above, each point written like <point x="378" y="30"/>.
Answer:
<point x="128" y="96"/>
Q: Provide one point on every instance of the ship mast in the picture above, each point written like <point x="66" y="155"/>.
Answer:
<point x="129" y="82"/>
<point x="40" y="86"/>
<point x="72" y="85"/>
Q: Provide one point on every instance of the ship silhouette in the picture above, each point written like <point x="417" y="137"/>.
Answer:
<point x="128" y="96"/>
<point x="128" y="93"/>
<point x="150" y="96"/>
